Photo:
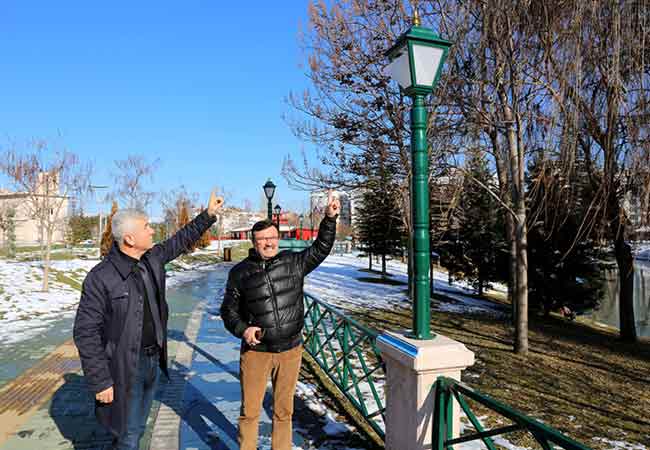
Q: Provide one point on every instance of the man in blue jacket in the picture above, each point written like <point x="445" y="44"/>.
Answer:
<point x="121" y="325"/>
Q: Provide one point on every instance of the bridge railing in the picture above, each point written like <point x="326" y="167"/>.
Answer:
<point x="447" y="390"/>
<point x="346" y="351"/>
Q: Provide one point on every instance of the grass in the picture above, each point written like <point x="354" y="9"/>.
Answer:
<point x="240" y="251"/>
<point x="60" y="277"/>
<point x="58" y="256"/>
<point x="579" y="380"/>
<point x="28" y="249"/>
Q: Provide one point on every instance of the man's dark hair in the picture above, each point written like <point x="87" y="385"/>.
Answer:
<point x="263" y="225"/>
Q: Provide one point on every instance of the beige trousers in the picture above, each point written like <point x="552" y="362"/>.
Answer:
<point x="254" y="371"/>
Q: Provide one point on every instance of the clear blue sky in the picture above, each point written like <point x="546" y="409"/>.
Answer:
<point x="199" y="84"/>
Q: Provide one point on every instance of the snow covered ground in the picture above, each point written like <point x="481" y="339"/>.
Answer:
<point x="26" y="311"/>
<point x="336" y="281"/>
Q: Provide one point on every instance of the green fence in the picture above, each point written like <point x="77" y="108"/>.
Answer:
<point x="447" y="390"/>
<point x="347" y="353"/>
<point x="295" y="245"/>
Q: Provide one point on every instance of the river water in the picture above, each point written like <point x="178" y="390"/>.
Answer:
<point x="607" y="312"/>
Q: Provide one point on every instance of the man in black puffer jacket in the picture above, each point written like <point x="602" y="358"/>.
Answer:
<point x="263" y="305"/>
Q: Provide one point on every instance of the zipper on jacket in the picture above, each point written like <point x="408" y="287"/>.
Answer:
<point x="274" y="300"/>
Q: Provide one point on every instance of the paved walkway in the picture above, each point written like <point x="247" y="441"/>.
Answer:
<point x="48" y="406"/>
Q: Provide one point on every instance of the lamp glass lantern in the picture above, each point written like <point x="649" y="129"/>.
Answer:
<point x="269" y="189"/>
<point x="416" y="60"/>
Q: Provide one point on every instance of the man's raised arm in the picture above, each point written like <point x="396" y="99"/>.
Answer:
<point x="324" y="242"/>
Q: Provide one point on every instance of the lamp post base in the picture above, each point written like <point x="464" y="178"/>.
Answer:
<point x="412" y="368"/>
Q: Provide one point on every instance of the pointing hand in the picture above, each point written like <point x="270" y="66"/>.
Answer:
<point x="333" y="205"/>
<point x="214" y="204"/>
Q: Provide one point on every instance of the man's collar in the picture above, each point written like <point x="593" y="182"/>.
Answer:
<point x="122" y="262"/>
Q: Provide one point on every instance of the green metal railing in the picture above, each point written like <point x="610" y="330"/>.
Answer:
<point x="447" y="389"/>
<point x="346" y="351"/>
<point x="295" y="245"/>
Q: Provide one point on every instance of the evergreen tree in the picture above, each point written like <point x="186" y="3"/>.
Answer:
<point x="380" y="226"/>
<point x="11" y="232"/>
<point x="475" y="238"/>
<point x="562" y="268"/>
<point x="481" y="232"/>
<point x="205" y="239"/>
<point x="80" y="228"/>
<point x="107" y="236"/>
<point x="184" y="219"/>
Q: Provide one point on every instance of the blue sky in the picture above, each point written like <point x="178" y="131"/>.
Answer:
<point x="199" y="84"/>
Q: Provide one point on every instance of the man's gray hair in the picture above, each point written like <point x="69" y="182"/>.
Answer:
<point x="123" y="222"/>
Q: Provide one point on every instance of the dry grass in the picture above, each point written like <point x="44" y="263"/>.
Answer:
<point x="581" y="381"/>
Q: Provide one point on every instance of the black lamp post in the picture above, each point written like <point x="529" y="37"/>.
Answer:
<point x="278" y="210"/>
<point x="300" y="218"/>
<point x="269" y="191"/>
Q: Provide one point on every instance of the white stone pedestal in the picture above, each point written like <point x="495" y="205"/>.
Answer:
<point x="412" y="367"/>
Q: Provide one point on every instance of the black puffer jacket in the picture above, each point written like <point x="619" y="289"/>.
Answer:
<point x="268" y="293"/>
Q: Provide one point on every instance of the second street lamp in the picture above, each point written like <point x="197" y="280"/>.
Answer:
<point x="415" y="63"/>
<point x="269" y="191"/>
<point x="278" y="210"/>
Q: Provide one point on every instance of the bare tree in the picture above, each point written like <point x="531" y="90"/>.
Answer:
<point x="48" y="178"/>
<point x="599" y="54"/>
<point x="130" y="176"/>
<point x="172" y="203"/>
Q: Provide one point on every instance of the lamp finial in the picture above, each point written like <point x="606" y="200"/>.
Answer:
<point x="416" y="16"/>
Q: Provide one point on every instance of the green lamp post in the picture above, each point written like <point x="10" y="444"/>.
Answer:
<point x="269" y="191"/>
<point x="278" y="210"/>
<point x="415" y="62"/>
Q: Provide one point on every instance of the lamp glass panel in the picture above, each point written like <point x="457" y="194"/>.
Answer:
<point x="426" y="60"/>
<point x="399" y="69"/>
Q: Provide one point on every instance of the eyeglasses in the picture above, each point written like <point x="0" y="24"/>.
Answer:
<point x="262" y="239"/>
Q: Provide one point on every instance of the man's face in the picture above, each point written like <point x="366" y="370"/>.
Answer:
<point x="141" y="236"/>
<point x="266" y="242"/>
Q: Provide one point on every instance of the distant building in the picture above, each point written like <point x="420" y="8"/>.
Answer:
<point x="28" y="231"/>
<point x="287" y="231"/>
<point x="318" y="205"/>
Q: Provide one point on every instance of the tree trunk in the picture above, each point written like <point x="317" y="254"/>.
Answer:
<point x="512" y="265"/>
<point x="625" y="262"/>
<point x="46" y="261"/>
<point x="383" y="266"/>
<point x="504" y="181"/>
<point x="370" y="261"/>
<point x="521" y="336"/>
<point x="516" y="163"/>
